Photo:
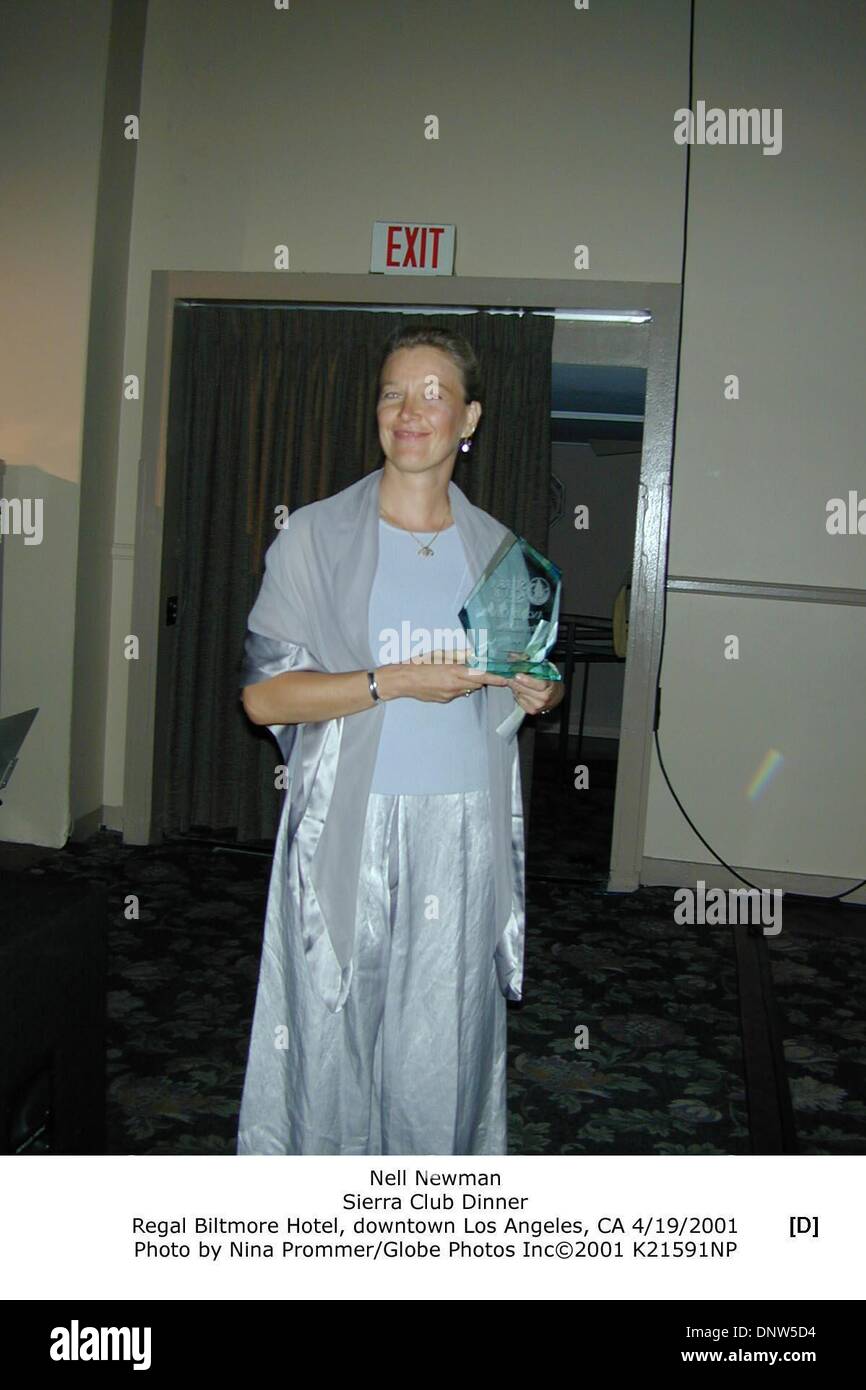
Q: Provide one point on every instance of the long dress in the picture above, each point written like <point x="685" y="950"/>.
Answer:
<point x="415" y="1061"/>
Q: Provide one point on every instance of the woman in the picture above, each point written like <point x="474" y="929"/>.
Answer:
<point x="394" y="926"/>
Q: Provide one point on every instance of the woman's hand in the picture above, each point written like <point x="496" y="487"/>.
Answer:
<point x="535" y="695"/>
<point x="439" y="676"/>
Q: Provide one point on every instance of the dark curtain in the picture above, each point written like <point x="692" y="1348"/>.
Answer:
<point x="276" y="406"/>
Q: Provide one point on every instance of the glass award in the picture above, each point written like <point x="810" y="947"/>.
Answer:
<point x="512" y="614"/>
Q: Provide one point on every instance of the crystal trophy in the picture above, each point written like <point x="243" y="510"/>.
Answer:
<point x="512" y="614"/>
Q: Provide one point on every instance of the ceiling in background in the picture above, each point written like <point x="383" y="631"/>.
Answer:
<point x="603" y="405"/>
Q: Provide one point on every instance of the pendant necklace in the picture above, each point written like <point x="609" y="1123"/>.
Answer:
<point x="425" y="547"/>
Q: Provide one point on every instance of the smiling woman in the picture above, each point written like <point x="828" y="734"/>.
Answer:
<point x="395" y="919"/>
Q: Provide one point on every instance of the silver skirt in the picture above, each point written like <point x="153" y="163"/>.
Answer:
<point x="415" y="1061"/>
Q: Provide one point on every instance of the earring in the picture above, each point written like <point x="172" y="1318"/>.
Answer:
<point x="466" y="444"/>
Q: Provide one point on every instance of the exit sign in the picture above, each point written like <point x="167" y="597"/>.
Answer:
<point x="412" y="248"/>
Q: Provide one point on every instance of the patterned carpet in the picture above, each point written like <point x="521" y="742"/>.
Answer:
<point x="662" y="1069"/>
<point x="665" y="1070"/>
<point x="655" y="1068"/>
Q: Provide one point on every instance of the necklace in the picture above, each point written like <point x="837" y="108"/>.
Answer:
<point x="425" y="548"/>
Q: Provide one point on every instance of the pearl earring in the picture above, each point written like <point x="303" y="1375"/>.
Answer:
<point x="465" y="444"/>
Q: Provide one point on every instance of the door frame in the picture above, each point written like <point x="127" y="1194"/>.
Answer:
<point x="662" y="300"/>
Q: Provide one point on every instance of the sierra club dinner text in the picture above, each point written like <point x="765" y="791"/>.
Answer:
<point x="350" y="1201"/>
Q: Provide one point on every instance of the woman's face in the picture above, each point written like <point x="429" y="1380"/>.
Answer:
<point x="421" y="412"/>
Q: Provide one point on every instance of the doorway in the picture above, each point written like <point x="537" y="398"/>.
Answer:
<point x="597" y="417"/>
<point x="637" y="326"/>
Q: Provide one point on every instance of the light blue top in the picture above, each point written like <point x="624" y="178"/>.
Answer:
<point x="425" y="746"/>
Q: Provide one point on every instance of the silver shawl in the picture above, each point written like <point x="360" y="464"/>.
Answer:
<point x="312" y="614"/>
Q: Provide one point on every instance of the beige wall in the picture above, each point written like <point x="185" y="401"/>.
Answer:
<point x="261" y="127"/>
<point x="774" y="293"/>
<point x="104" y="579"/>
<point x="798" y="689"/>
<point x="52" y="92"/>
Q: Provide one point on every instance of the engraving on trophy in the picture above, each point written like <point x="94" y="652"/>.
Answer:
<point x="511" y="616"/>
